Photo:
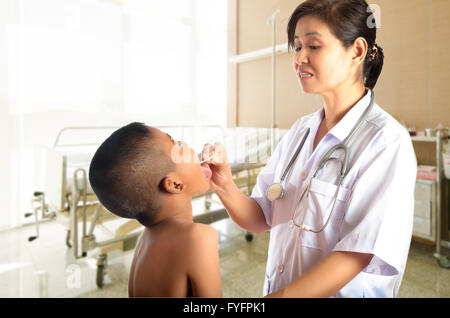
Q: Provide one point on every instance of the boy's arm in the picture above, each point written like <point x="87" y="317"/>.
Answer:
<point x="203" y="265"/>
<point x="327" y="277"/>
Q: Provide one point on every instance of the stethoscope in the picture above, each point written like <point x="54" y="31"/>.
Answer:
<point x="276" y="190"/>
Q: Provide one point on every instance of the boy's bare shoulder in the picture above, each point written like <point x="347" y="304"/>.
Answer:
<point x="199" y="231"/>
<point x="200" y="235"/>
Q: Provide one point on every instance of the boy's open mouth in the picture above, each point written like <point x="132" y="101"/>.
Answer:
<point x="207" y="172"/>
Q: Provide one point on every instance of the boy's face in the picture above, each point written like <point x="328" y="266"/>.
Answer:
<point x="194" y="177"/>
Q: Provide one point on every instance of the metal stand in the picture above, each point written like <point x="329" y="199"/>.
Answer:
<point x="441" y="259"/>
<point x="271" y="20"/>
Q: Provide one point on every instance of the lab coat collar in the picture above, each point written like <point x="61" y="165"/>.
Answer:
<point x="346" y="124"/>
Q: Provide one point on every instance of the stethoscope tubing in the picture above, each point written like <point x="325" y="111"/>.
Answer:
<point x="294" y="157"/>
<point x="322" y="162"/>
<point x="342" y="146"/>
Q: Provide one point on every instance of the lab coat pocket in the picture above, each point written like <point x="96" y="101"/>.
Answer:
<point x="317" y="208"/>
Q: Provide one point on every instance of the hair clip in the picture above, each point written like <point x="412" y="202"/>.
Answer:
<point x="374" y="53"/>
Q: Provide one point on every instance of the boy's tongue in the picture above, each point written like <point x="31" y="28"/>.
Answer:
<point x="207" y="172"/>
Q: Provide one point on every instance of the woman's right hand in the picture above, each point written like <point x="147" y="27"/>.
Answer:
<point x="221" y="178"/>
<point x="243" y="210"/>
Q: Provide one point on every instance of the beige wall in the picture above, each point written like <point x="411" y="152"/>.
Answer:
<point x="414" y="84"/>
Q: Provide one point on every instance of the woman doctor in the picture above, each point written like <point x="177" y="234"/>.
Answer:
<point x="360" y="250"/>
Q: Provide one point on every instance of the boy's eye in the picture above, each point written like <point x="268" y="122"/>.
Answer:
<point x="180" y="143"/>
<point x="313" y="47"/>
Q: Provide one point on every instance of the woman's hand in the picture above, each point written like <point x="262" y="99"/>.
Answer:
<point x="243" y="210"/>
<point x="221" y="178"/>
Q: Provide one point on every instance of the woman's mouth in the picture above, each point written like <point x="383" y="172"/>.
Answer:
<point x="304" y="76"/>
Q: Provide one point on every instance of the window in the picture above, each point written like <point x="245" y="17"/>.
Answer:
<point x="127" y="56"/>
<point x="61" y="57"/>
<point x="158" y="56"/>
<point x="103" y="62"/>
<point x="176" y="57"/>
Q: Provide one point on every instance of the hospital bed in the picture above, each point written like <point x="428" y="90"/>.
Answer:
<point x="68" y="197"/>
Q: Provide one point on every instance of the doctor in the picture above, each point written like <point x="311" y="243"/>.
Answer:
<point x="332" y="236"/>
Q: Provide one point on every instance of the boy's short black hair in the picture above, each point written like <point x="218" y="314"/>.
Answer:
<point x="126" y="171"/>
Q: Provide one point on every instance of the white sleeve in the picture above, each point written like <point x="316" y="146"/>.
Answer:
<point x="379" y="218"/>
<point x="267" y="176"/>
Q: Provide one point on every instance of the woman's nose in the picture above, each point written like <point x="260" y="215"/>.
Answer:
<point x="300" y="58"/>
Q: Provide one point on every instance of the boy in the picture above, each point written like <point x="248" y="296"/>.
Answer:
<point x="141" y="173"/>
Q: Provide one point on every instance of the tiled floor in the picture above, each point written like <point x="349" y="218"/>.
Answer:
<point x="47" y="268"/>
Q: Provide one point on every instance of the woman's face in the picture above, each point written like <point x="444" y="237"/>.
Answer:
<point x="319" y="53"/>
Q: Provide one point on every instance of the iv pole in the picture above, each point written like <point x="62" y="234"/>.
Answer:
<point x="271" y="20"/>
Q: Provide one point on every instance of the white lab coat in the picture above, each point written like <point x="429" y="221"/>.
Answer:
<point x="373" y="214"/>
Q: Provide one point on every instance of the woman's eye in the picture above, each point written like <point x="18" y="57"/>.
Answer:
<point x="180" y="143"/>
<point x="312" y="47"/>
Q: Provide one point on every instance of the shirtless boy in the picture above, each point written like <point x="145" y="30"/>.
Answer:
<point x="141" y="173"/>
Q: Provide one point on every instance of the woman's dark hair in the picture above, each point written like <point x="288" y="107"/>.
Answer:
<point x="347" y="20"/>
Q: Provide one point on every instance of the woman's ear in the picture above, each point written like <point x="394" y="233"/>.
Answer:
<point x="360" y="48"/>
<point x="172" y="184"/>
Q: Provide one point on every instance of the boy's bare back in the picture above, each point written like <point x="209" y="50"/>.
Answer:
<point x="176" y="259"/>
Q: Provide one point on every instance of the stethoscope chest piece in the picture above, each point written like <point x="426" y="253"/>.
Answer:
<point x="274" y="192"/>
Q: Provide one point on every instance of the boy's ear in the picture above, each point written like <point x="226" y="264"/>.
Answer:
<point x="172" y="184"/>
